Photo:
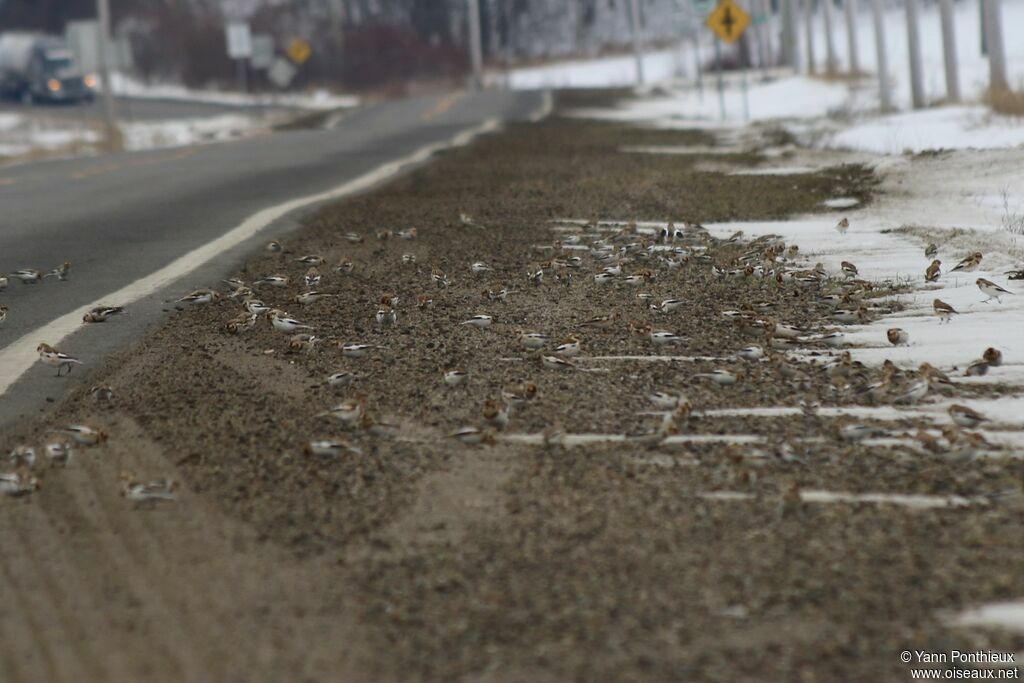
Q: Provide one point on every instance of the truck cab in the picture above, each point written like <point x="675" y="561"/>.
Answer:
<point x="37" y="68"/>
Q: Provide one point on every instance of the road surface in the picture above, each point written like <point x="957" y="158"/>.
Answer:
<point x="131" y="109"/>
<point x="121" y="218"/>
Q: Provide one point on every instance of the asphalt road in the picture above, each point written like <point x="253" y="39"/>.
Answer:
<point x="131" y="109"/>
<point x="122" y="217"/>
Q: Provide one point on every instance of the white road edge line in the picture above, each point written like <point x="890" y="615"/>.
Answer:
<point x="19" y="356"/>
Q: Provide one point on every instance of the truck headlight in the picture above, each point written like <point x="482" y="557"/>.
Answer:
<point x="53" y="84"/>
<point x="89" y="80"/>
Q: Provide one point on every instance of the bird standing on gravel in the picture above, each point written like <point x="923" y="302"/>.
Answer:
<point x="53" y="357"/>
<point x="282" y="323"/>
<point x="199" y="297"/>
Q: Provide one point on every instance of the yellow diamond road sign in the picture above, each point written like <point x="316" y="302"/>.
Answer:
<point x="298" y="51"/>
<point x="728" y="21"/>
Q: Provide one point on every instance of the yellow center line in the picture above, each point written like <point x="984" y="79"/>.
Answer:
<point x="441" y="107"/>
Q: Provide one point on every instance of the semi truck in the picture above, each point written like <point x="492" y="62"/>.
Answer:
<point x="41" y="68"/>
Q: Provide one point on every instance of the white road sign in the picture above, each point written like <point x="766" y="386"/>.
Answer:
<point x="262" y="51"/>
<point x="281" y="73"/>
<point x="239" y="40"/>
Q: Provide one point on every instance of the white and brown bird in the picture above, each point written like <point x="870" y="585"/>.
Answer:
<point x="60" y="272"/>
<point x="455" y="377"/>
<point x="932" y="272"/>
<point x="283" y="323"/>
<point x="931" y="251"/>
<point x="311" y="260"/>
<point x="479" y="321"/>
<point x="849" y="269"/>
<point x="944" y="310"/>
<point x="200" y="297"/>
<point x="967" y="417"/>
<point x="722" y="378"/>
<point x="897" y="336"/>
<point x="843" y="225"/>
<point x="84" y="434"/>
<point x="969" y="264"/>
<point x="991" y="290"/>
<point x="27" y="276"/>
<point x="3" y="313"/>
<point x="993" y="357"/>
<point x="21" y="482"/>
<point x="271" y="281"/>
<point x="331" y="448"/>
<point x="51" y="356"/>
<point x="151" y="491"/>
<point x="100" y="314"/>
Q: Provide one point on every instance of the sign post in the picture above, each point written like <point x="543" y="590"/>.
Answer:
<point x="239" y="39"/>
<point x="728" y="21"/>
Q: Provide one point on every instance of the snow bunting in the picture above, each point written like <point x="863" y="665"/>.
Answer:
<point x="3" y="282"/>
<point x="386" y="316"/>
<point x="496" y="294"/>
<point x="662" y="337"/>
<point x="670" y="305"/>
<point x="152" y="491"/>
<point x="348" y="413"/>
<point x="569" y="347"/>
<point x="480" y="268"/>
<point x="843" y="225"/>
<point x="600" y="321"/>
<point x="301" y="342"/>
<point x="754" y="352"/>
<point x="409" y="234"/>
<point x="273" y="246"/>
<point x="944" y="310"/>
<point x="51" y="356"/>
<point x="665" y="400"/>
<point x="977" y="368"/>
<point x="604" y="278"/>
<point x="101" y="393"/>
<point x="496" y="414"/>
<point x="532" y="340"/>
<point x="100" y="314"/>
<point x="439" y="277"/>
<point x="3" y="313"/>
<point x="1011" y="274"/>
<point x="234" y="283"/>
<point x="471" y="436"/>
<point x="282" y="323"/>
<point x="424" y="301"/>
<point x="58" y="452"/>
<point x="353" y="237"/>
<point x="357" y="350"/>
<point x="199" y="297"/>
<point x="455" y="377"/>
<point x="932" y="273"/>
<point x="466" y="219"/>
<point x="970" y="263"/>
<point x="241" y="323"/>
<point x="556" y="363"/>
<point x="339" y="380"/>
<point x="993" y="357"/>
<point x="479" y="321"/>
<point x="849" y="269"/>
<point x="255" y="306"/>
<point x="931" y="251"/>
<point x="518" y="394"/>
<point x="852" y="431"/>
<point x="61" y="271"/>
<point x="832" y="339"/>
<point x="331" y="448"/>
<point x="344" y="266"/>
<point x="312" y="278"/>
<point x="408" y="259"/>
<point x="966" y="417"/>
<point x="897" y="336"/>
<point x="22" y="456"/>
<point x="18" y="483"/>
<point x="311" y="260"/>
<point x="991" y="289"/>
<point x="914" y="391"/>
<point x="384" y="234"/>
<point x="722" y="378"/>
<point x="310" y="297"/>
<point x="83" y="434"/>
<point x="271" y="281"/>
<point x="28" y="276"/>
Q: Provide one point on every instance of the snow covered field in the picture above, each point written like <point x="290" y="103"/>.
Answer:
<point x="316" y="100"/>
<point x="851" y="106"/>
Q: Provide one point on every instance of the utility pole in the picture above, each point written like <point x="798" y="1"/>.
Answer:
<point x="103" y="59"/>
<point x="638" y="52"/>
<point x="831" y="63"/>
<point x="997" y="79"/>
<point x="809" y="26"/>
<point x="914" y="49"/>
<point x="949" y="51"/>
<point x="850" y="8"/>
<point x="791" y="34"/>
<point x="882" y="57"/>
<point x="475" y="48"/>
<point x="767" y="53"/>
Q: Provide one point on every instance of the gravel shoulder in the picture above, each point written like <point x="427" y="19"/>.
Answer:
<point x="422" y="558"/>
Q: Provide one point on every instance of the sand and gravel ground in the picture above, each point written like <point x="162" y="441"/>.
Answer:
<point x="422" y="558"/>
